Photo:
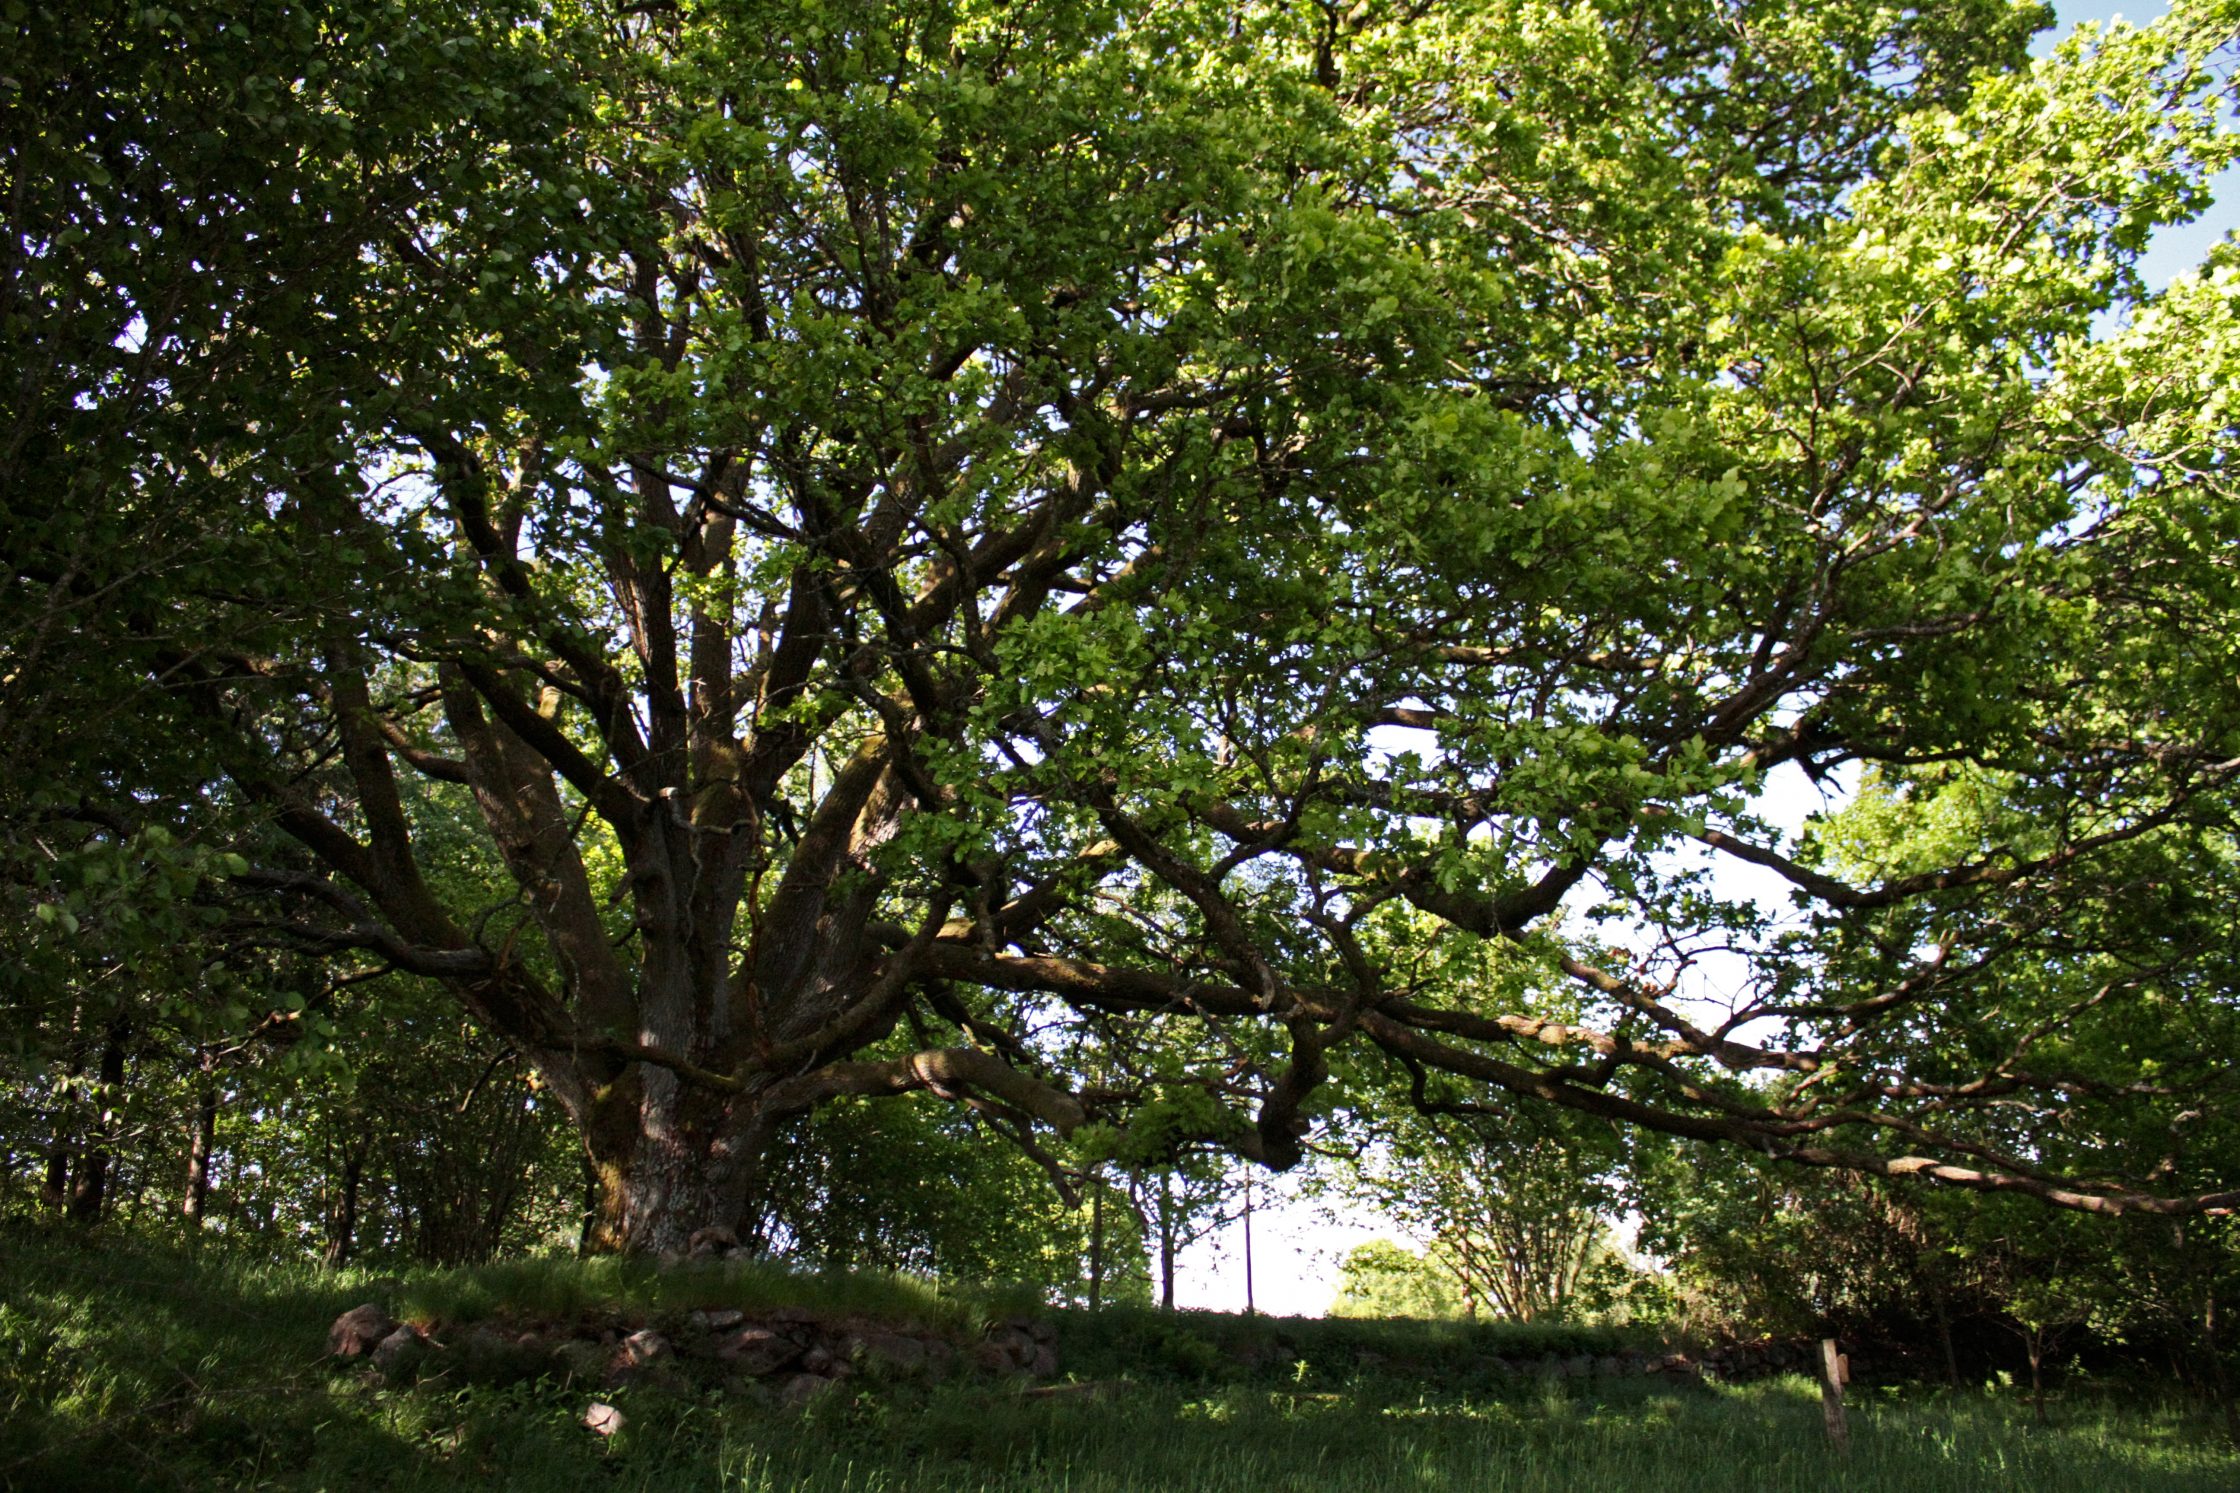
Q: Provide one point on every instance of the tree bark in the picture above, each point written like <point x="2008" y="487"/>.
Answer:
<point x="89" y="1189"/>
<point x="63" y="1142"/>
<point x="202" y="1138"/>
<point x="1166" y="1242"/>
<point x="1096" y="1244"/>
<point x="342" y="1234"/>
<point x="1251" y="1308"/>
<point x="668" y="1159"/>
<point x="2214" y="1352"/>
<point x="1831" y="1395"/>
<point x="1944" y="1336"/>
<point x="54" y="1191"/>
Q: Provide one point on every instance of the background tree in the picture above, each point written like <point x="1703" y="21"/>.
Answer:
<point x="191" y="304"/>
<point x="933" y="1192"/>
<point x="1514" y="1205"/>
<point x="1384" y="1279"/>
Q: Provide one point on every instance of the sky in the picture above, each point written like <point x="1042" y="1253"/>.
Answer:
<point x="2178" y="249"/>
<point x="1298" y="1244"/>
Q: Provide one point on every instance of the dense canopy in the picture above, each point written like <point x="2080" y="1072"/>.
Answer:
<point x="1152" y="570"/>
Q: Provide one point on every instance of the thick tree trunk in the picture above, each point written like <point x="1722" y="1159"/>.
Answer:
<point x="668" y="1160"/>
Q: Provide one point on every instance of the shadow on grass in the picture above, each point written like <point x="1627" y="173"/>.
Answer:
<point x="129" y="1366"/>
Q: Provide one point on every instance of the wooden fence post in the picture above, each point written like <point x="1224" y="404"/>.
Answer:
<point x="1833" y="1371"/>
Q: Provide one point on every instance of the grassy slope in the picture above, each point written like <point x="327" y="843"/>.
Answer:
<point x="127" y="1367"/>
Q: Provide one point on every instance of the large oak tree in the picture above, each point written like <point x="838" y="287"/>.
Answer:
<point x="1133" y="566"/>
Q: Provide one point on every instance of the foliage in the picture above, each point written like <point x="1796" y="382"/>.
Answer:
<point x="446" y="1154"/>
<point x="929" y="1193"/>
<point x="1964" y="1288"/>
<point x="1756" y="1248"/>
<point x="1137" y="572"/>
<point x="1383" y="1279"/>
<point x="1513" y="1204"/>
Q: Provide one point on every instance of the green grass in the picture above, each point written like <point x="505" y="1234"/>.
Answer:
<point x="1456" y="1355"/>
<point x="125" y="1366"/>
<point x="560" y="1288"/>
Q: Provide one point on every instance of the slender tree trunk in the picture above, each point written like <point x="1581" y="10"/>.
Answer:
<point x="55" y="1192"/>
<point x="2214" y="1352"/>
<point x="588" y="1230"/>
<point x="1944" y="1337"/>
<point x="1250" y="1308"/>
<point x="1168" y="1228"/>
<point x="1096" y="1244"/>
<point x="55" y="1189"/>
<point x="202" y="1137"/>
<point x="2034" y="1341"/>
<point x="342" y="1235"/>
<point x="89" y="1191"/>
